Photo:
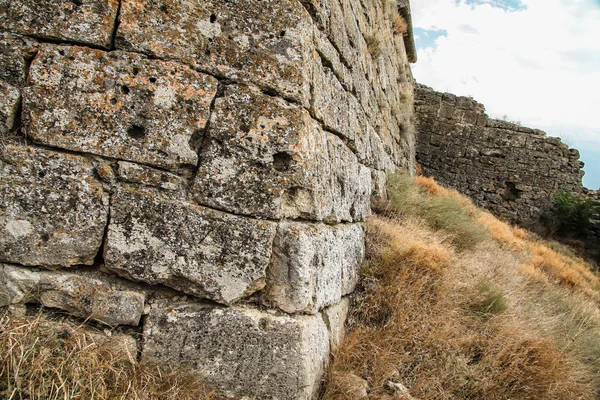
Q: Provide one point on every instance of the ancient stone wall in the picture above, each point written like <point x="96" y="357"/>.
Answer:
<point x="509" y="169"/>
<point x="198" y="171"/>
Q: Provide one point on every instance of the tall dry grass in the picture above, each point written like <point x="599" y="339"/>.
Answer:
<point x="45" y="359"/>
<point x="450" y="321"/>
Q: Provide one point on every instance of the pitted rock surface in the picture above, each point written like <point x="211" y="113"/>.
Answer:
<point x="52" y="210"/>
<point x="89" y="22"/>
<point x="267" y="158"/>
<point x="83" y="294"/>
<point x="200" y="251"/>
<point x="313" y="266"/>
<point x="116" y="104"/>
<point x="265" y="44"/>
<point x="244" y="353"/>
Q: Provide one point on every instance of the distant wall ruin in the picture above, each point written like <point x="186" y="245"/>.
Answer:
<point x="200" y="171"/>
<point x="512" y="170"/>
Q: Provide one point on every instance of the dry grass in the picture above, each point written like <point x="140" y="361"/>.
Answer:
<point x="400" y="25"/>
<point x="46" y="359"/>
<point x="504" y="318"/>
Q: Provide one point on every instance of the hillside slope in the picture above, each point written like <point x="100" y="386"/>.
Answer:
<point x="455" y="304"/>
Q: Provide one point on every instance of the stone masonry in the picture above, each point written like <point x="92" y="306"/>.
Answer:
<point x="512" y="170"/>
<point x="199" y="171"/>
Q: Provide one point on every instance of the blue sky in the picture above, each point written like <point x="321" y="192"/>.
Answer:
<point x="535" y="61"/>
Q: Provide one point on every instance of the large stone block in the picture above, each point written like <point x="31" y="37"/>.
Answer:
<point x="89" y="22"/>
<point x="52" y="210"/>
<point x="200" y="251"/>
<point x="268" y="158"/>
<point x="243" y="353"/>
<point x="117" y="104"/>
<point x="313" y="265"/>
<point x="85" y="294"/>
<point x="244" y="41"/>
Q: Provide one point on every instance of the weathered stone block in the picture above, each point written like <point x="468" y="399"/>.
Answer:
<point x="136" y="173"/>
<point x="335" y="319"/>
<point x="268" y="158"/>
<point x="87" y="22"/>
<point x="10" y="98"/>
<point x="117" y="104"/>
<point x="52" y="210"/>
<point x="313" y="266"/>
<point x="265" y="44"/>
<point x="84" y="294"/>
<point x="243" y="353"/>
<point x="202" y="252"/>
<point x="15" y="52"/>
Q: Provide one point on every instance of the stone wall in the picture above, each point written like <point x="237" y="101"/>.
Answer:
<point x="509" y="169"/>
<point x="199" y="172"/>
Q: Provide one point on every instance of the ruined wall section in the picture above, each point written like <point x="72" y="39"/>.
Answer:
<point x="512" y="170"/>
<point x="200" y="171"/>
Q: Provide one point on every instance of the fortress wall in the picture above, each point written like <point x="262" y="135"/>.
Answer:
<point x="199" y="171"/>
<point x="512" y="170"/>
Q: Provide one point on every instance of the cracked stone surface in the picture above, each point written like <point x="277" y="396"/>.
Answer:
<point x="244" y="353"/>
<point x="117" y="104"/>
<point x="313" y="265"/>
<point x="52" y="210"/>
<point x="264" y="157"/>
<point x="238" y="40"/>
<point x="85" y="294"/>
<point x="88" y="22"/>
<point x="200" y="251"/>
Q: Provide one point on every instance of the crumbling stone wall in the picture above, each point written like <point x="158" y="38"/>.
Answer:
<point x="512" y="170"/>
<point x="199" y="171"/>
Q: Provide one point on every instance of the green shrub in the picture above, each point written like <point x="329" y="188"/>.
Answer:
<point x="571" y="215"/>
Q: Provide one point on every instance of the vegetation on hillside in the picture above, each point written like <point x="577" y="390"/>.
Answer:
<point x="455" y="304"/>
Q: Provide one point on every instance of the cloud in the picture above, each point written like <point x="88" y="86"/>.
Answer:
<point x="537" y="61"/>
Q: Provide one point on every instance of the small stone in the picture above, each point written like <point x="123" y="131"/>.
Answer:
<point x="106" y="173"/>
<point x="136" y="173"/>
<point x="335" y="319"/>
<point x="352" y="386"/>
<point x="82" y="294"/>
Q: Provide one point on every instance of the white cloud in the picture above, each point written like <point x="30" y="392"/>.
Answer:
<point x="539" y="64"/>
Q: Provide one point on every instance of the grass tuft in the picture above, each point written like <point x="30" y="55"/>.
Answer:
<point x="46" y="359"/>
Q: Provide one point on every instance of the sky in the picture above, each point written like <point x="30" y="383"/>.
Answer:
<point x="536" y="62"/>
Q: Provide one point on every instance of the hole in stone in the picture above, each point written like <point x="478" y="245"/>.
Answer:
<point x="511" y="192"/>
<point x="282" y="34"/>
<point x="136" y="70"/>
<point x="125" y="89"/>
<point x="137" y="132"/>
<point x="207" y="52"/>
<point x="45" y="237"/>
<point x="77" y="3"/>
<point x="164" y="9"/>
<point x="113" y="101"/>
<point x="213" y="18"/>
<point x="61" y="52"/>
<point x="282" y="161"/>
<point x="245" y="128"/>
<point x="153" y="80"/>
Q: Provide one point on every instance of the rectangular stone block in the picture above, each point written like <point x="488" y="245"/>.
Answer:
<point x="313" y="265"/>
<point x="264" y="44"/>
<point x="117" y="104"/>
<point x="206" y="253"/>
<point x="90" y="22"/>
<point x="136" y="173"/>
<point x="243" y="353"/>
<point x="267" y="158"/>
<point x="84" y="294"/>
<point x="52" y="210"/>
